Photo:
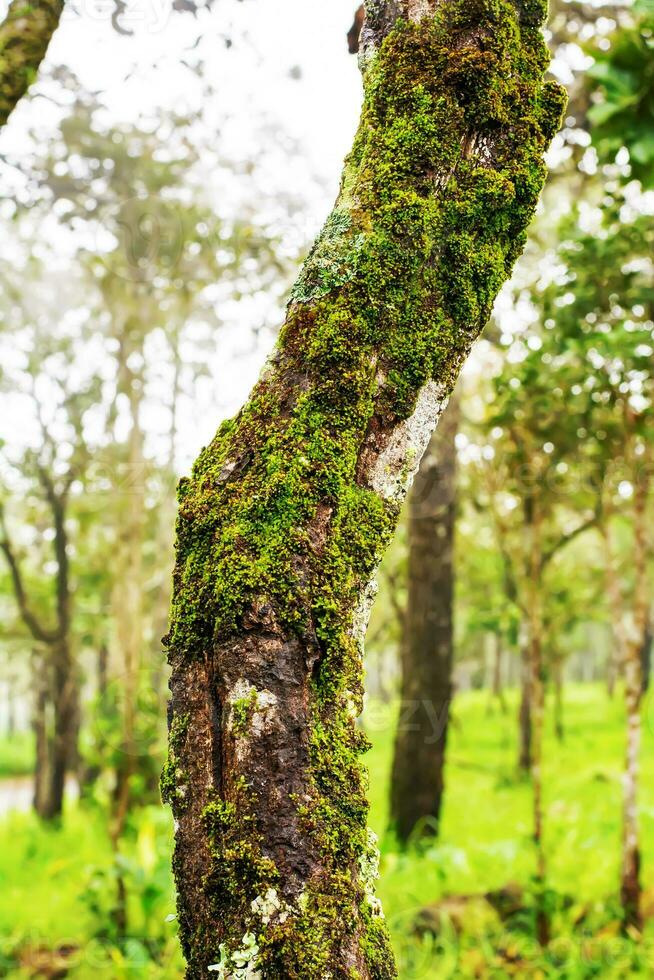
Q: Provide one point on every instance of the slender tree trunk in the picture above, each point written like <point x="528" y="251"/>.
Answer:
<point x="288" y="511"/>
<point x="11" y="707"/>
<point x="646" y="657"/>
<point x="524" y="713"/>
<point x="128" y="592"/>
<point x="64" y="744"/>
<point x="498" y="678"/>
<point x="130" y="634"/>
<point x="559" y="725"/>
<point x="55" y="727"/>
<point x="537" y="712"/>
<point x="102" y="678"/>
<point x="42" y="740"/>
<point x="25" y="35"/>
<point x="614" y="592"/>
<point x="427" y="645"/>
<point x="630" y="884"/>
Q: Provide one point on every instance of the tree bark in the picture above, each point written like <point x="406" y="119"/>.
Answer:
<point x="59" y="751"/>
<point x="25" y="35"/>
<point x="524" y="713"/>
<point x="284" y="521"/>
<point x="497" y="688"/>
<point x="646" y="658"/>
<point x="559" y="724"/>
<point x="635" y="637"/>
<point x="537" y="712"/>
<point x="128" y="605"/>
<point x="42" y="739"/>
<point x="427" y="645"/>
<point x="615" y="597"/>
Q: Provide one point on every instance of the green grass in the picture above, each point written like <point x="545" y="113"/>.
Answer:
<point x="57" y="885"/>
<point x="485" y="835"/>
<point x="16" y="755"/>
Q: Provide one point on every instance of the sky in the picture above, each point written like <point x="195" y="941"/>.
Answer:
<point x="287" y="69"/>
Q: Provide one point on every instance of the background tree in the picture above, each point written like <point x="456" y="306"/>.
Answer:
<point x="48" y="471"/>
<point x="427" y="644"/>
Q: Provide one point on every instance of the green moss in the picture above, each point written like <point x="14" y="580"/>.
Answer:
<point x="439" y="188"/>
<point x="242" y="712"/>
<point x="173" y="778"/>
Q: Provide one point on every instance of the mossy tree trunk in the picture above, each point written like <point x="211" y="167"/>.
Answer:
<point x="25" y="35"/>
<point x="417" y="781"/>
<point x="286" y="516"/>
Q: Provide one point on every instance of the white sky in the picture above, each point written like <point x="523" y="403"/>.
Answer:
<point x="288" y="65"/>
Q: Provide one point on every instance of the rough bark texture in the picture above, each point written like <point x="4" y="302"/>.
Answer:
<point x="427" y="647"/>
<point x="288" y="511"/>
<point x="25" y="35"/>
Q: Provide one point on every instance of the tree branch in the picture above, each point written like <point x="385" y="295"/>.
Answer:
<point x="565" y="539"/>
<point x="25" y="35"/>
<point x="38" y="631"/>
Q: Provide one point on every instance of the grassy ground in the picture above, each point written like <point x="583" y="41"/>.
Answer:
<point x="56" y="886"/>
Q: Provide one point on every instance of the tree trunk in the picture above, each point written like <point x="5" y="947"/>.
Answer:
<point x="524" y="714"/>
<point x="537" y="709"/>
<point x="102" y="675"/>
<point x="497" y="689"/>
<point x="64" y="743"/>
<point x="128" y="591"/>
<point x="559" y="726"/>
<point x="42" y="740"/>
<point x="25" y="35"/>
<point x="288" y="511"/>
<point x="646" y="658"/>
<point x="630" y="885"/>
<point x="427" y="645"/>
<point x="614" y="593"/>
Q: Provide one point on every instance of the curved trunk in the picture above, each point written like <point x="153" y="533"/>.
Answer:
<point x="288" y="511"/>
<point x="427" y="647"/>
<point x="25" y="35"/>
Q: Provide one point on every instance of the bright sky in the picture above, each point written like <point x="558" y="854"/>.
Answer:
<point x="288" y="65"/>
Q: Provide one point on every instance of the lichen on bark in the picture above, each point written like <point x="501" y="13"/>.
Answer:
<point x="288" y="511"/>
<point x="25" y="35"/>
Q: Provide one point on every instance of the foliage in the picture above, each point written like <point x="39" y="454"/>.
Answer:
<point x="623" y="80"/>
